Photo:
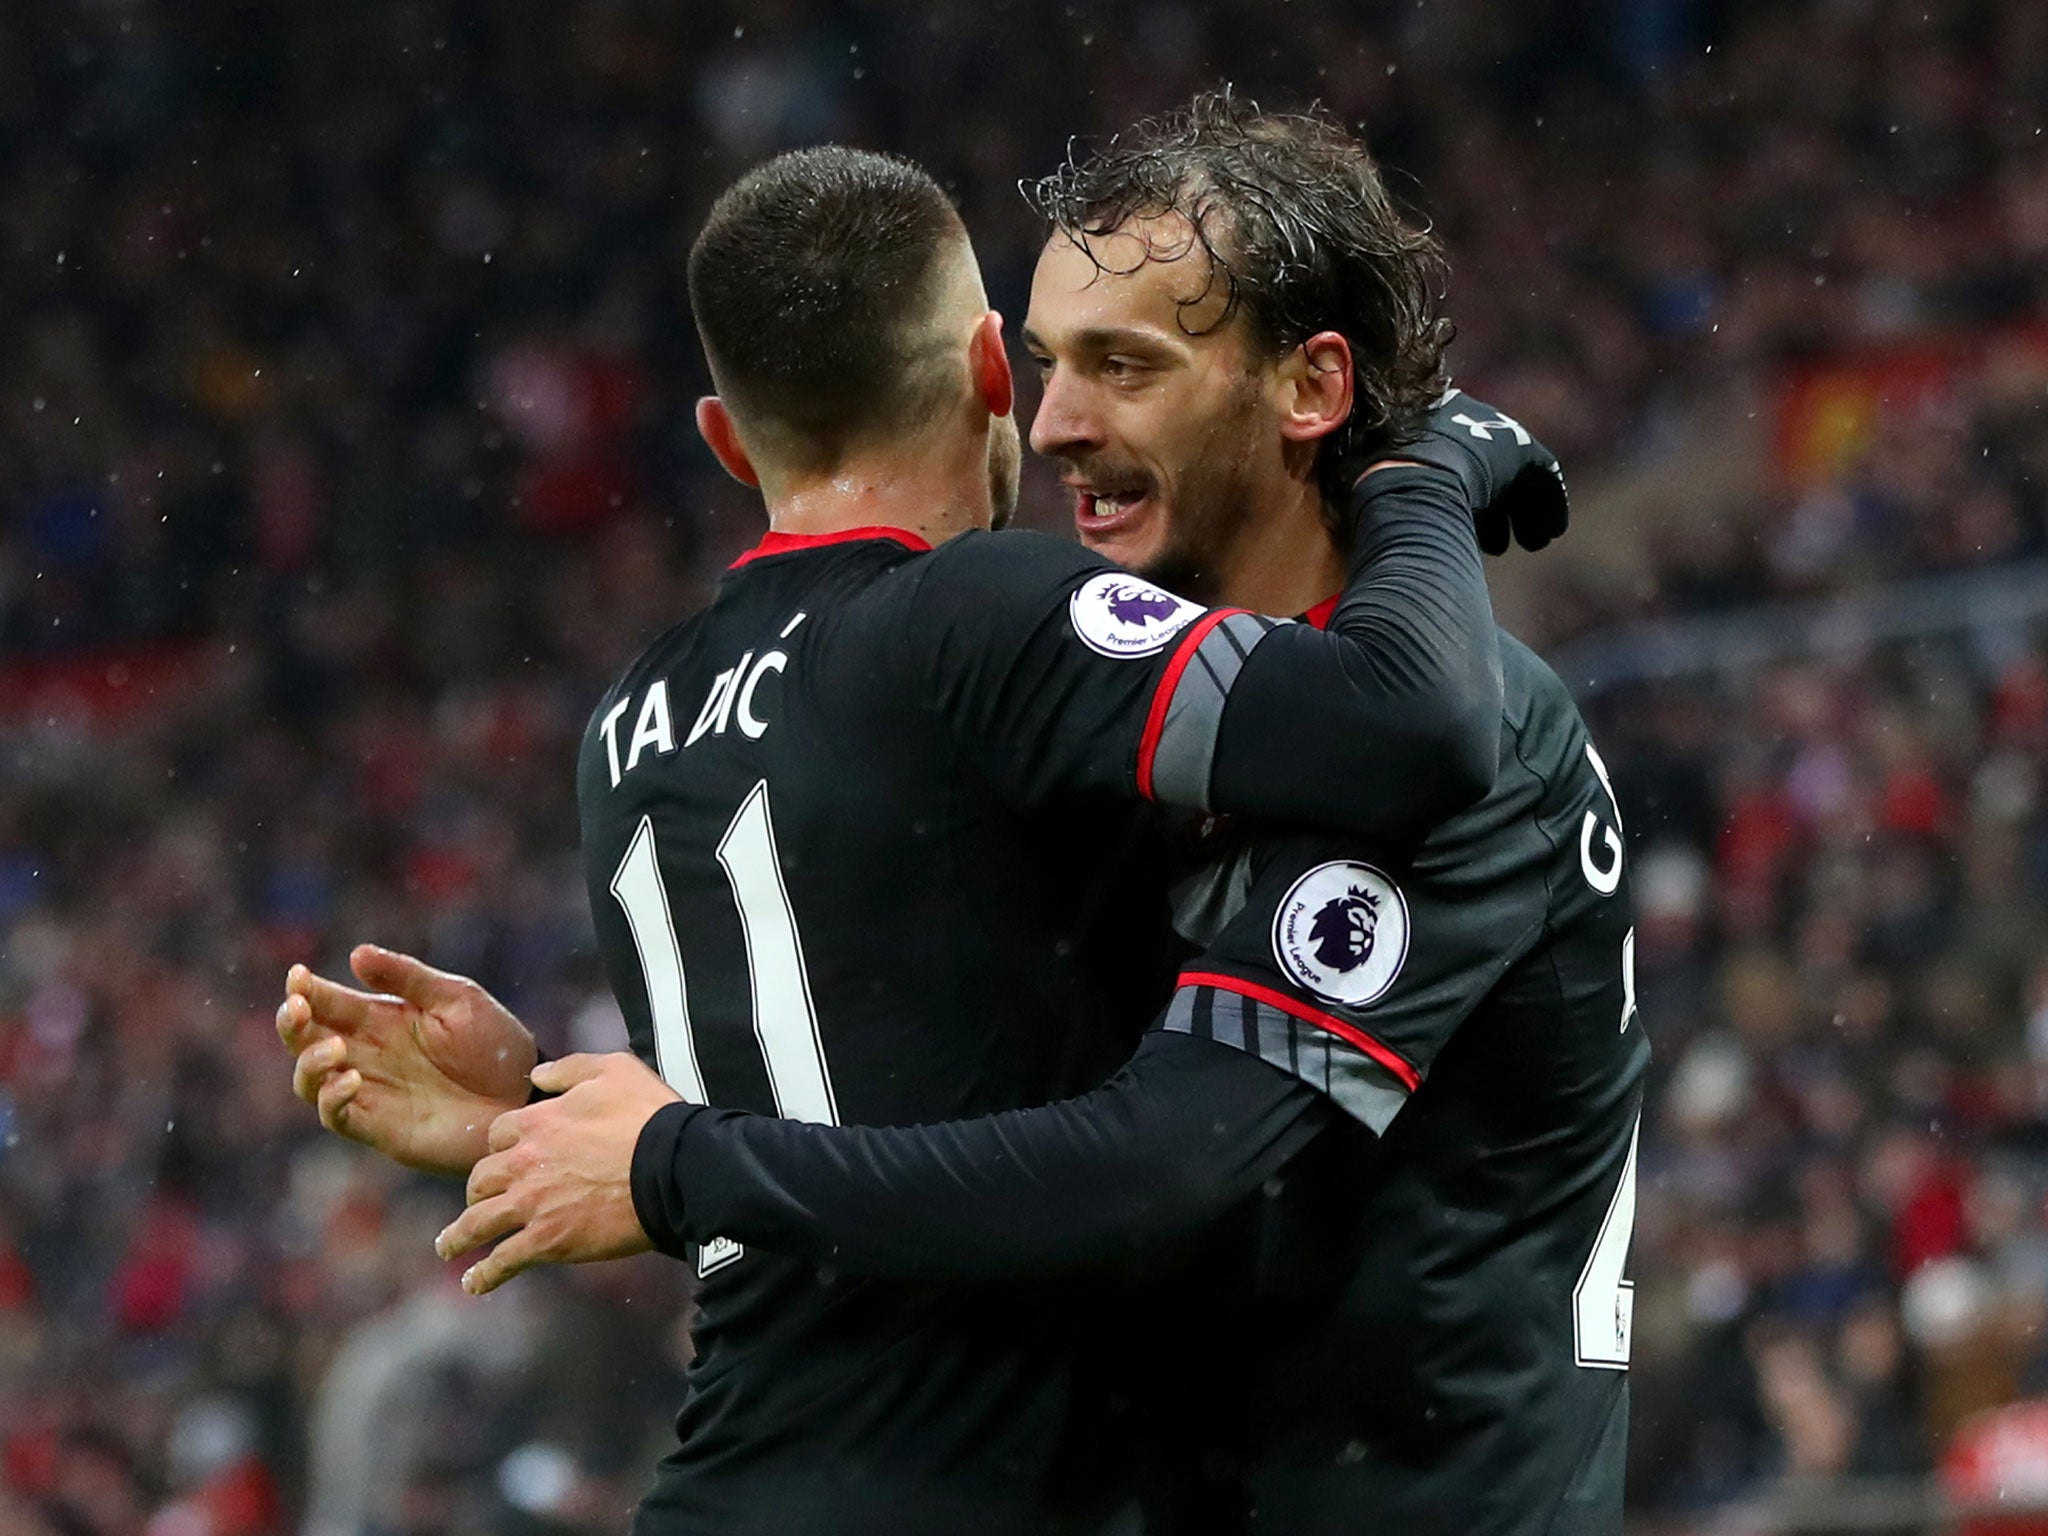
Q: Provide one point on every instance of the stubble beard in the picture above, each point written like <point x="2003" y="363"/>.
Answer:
<point x="1212" y="506"/>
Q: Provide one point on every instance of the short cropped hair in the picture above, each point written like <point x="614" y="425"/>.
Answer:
<point x="811" y="282"/>
<point x="1301" y="235"/>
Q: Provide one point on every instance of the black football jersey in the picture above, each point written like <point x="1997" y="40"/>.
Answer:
<point x="1435" y="1316"/>
<point x="804" y="880"/>
<point x="1400" y="1092"/>
<point x="860" y="850"/>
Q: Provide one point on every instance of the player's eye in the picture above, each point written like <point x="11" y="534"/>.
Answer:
<point x="1121" y="367"/>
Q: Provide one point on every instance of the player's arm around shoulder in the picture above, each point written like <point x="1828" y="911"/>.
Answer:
<point x="1390" y="720"/>
<point x="1077" y="676"/>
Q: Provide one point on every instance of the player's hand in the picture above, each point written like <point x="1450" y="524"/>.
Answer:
<point x="417" y="1067"/>
<point x="1512" y="481"/>
<point x="557" y="1187"/>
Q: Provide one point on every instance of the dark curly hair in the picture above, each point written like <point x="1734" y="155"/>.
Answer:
<point x="1298" y="228"/>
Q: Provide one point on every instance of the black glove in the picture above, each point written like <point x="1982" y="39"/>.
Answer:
<point x="1512" y="482"/>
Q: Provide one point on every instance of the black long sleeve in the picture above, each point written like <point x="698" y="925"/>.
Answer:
<point x="1184" y="1131"/>
<point x="1390" y="721"/>
<point x="1065" y="675"/>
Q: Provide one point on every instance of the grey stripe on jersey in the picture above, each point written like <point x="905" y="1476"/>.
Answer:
<point x="1357" y="1084"/>
<point x="1187" y="741"/>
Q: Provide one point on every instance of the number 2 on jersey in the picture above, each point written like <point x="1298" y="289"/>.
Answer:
<point x="785" y="1018"/>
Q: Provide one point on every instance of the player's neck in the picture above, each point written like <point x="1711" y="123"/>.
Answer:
<point x="1283" y="560"/>
<point x="922" y="493"/>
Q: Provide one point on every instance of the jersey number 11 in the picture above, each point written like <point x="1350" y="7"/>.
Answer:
<point x="785" y="1019"/>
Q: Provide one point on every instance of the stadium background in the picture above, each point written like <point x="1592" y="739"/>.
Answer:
<point x="345" y="451"/>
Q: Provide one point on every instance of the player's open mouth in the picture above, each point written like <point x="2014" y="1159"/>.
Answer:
<point x="1099" y="513"/>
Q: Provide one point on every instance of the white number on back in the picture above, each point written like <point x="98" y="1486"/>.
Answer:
<point x="1604" y="1304"/>
<point x="785" y="1019"/>
<point x="637" y="887"/>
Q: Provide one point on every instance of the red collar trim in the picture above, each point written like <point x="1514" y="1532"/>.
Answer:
<point x="1318" y="617"/>
<point x="785" y="543"/>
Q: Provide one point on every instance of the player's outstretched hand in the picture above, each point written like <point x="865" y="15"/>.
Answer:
<point x="1513" y="482"/>
<point x="417" y="1067"/>
<point x="557" y="1187"/>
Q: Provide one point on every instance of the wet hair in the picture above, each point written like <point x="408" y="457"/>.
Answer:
<point x="811" y="282"/>
<point x="1300" y="234"/>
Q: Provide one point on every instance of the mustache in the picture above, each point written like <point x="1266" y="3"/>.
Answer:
<point x="1106" y="477"/>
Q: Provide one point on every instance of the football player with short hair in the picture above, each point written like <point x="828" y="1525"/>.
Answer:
<point x="1413" y="1073"/>
<point x="859" y="853"/>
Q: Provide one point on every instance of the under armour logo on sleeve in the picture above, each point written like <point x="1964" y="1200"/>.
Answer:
<point x="1484" y="430"/>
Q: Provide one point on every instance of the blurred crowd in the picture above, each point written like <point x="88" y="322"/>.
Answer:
<point x="1842" y="901"/>
<point x="347" y="453"/>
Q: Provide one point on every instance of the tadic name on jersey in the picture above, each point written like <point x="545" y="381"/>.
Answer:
<point x="1120" y="615"/>
<point x="1342" y="932"/>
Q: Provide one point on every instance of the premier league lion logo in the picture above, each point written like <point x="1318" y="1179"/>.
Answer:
<point x="1343" y="929"/>
<point x="1116" y="614"/>
<point x="1341" y="932"/>
<point x="1140" y="605"/>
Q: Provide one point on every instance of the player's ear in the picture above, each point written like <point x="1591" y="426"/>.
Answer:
<point x="714" y="425"/>
<point x="990" y="365"/>
<point x="1315" y="387"/>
